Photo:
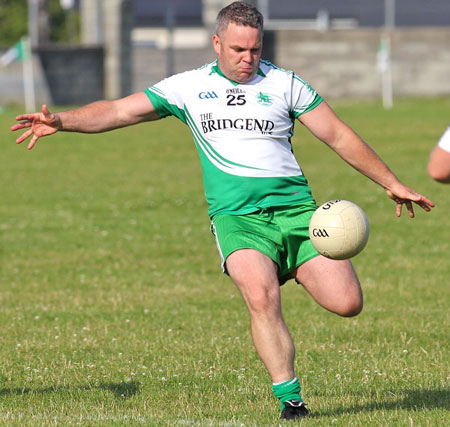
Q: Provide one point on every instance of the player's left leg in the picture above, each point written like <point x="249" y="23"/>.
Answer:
<point x="333" y="284"/>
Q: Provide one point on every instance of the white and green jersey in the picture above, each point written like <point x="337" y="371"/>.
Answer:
<point x="242" y="133"/>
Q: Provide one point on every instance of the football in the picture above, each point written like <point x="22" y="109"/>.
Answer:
<point x="339" y="229"/>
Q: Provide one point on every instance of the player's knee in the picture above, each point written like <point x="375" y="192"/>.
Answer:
<point x="351" y="307"/>
<point x="262" y="302"/>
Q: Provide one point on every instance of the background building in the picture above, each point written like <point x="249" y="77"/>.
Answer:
<point x="127" y="45"/>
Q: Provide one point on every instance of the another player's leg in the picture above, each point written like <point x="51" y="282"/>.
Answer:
<point x="333" y="284"/>
<point x="255" y="274"/>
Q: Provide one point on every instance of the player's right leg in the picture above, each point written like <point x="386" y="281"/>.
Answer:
<point x="249" y="246"/>
<point x="255" y="275"/>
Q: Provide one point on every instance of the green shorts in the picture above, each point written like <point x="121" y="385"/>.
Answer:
<point x="281" y="233"/>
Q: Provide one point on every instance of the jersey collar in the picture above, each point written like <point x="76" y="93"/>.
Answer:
<point x="215" y="69"/>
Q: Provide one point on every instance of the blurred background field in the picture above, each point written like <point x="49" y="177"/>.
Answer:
<point x="114" y="310"/>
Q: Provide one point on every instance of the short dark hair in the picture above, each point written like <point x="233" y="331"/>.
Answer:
<point x="240" y="13"/>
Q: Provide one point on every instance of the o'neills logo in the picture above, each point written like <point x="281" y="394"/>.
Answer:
<point x="263" y="126"/>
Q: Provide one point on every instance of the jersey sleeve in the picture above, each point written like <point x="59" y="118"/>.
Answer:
<point x="166" y="97"/>
<point x="303" y="97"/>
<point x="444" y="141"/>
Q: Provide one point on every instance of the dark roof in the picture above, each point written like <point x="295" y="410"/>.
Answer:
<point x="368" y="13"/>
<point x="153" y="13"/>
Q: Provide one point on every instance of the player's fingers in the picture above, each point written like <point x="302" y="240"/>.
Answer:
<point x="425" y="206"/>
<point x="46" y="111"/>
<point x="29" y="117"/>
<point x="24" y="136"/>
<point x="410" y="208"/>
<point x="398" y="211"/>
<point x="21" y="125"/>
<point x="32" y="142"/>
<point x="426" y="202"/>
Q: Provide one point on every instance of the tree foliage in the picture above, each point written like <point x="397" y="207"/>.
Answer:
<point x="64" y="26"/>
<point x="13" y="21"/>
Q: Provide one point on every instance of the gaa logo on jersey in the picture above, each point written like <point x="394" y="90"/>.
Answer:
<point x="207" y="95"/>
<point x="264" y="99"/>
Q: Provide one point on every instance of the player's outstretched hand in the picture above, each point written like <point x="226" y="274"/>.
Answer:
<point x="39" y="124"/>
<point x="403" y="195"/>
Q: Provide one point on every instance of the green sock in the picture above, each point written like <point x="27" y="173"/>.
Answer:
<point x="287" y="390"/>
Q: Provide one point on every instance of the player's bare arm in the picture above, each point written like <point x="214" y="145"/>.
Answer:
<point x="439" y="165"/>
<point x="100" y="116"/>
<point x="329" y="128"/>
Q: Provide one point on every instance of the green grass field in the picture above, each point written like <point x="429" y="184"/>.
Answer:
<point x="114" y="310"/>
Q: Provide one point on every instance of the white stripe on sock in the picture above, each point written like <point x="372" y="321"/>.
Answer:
<point x="289" y="383"/>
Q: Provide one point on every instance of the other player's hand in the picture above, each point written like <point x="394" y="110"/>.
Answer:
<point x="38" y="124"/>
<point x="403" y="195"/>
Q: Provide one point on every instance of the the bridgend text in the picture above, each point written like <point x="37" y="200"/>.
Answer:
<point x="259" y="125"/>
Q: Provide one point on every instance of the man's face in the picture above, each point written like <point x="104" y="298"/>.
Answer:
<point x="239" y="50"/>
